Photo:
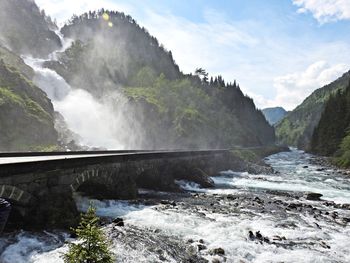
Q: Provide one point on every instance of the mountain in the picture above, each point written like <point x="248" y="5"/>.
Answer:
<point x="112" y="54"/>
<point x="331" y="135"/>
<point x="25" y="29"/>
<point x="121" y="70"/>
<point x="26" y="114"/>
<point x="274" y="115"/>
<point x="297" y="127"/>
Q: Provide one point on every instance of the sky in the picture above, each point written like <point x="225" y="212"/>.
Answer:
<point x="279" y="51"/>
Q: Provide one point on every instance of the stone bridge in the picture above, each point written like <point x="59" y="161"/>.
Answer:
<point x="40" y="186"/>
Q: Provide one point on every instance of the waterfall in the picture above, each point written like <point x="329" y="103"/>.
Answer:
<point x="99" y="123"/>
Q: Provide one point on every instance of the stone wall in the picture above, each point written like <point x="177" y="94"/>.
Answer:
<point x="41" y="193"/>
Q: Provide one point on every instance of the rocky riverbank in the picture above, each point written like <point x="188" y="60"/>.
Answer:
<point x="326" y="163"/>
<point x="297" y="214"/>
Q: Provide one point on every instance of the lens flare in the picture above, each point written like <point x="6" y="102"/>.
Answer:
<point x="110" y="24"/>
<point x="105" y="16"/>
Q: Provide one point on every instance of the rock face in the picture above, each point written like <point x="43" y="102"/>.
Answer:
<point x="26" y="114"/>
<point x="26" y="30"/>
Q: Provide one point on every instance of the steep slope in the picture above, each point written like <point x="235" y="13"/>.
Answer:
<point x="112" y="54"/>
<point x="333" y="126"/>
<point x="297" y="127"/>
<point x="26" y="114"/>
<point x="25" y="29"/>
<point x="274" y="115"/>
<point x="14" y="61"/>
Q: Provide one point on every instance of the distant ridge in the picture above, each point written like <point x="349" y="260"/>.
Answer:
<point x="274" y="114"/>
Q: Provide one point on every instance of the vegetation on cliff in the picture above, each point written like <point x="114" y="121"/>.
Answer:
<point x="297" y="127"/>
<point x="175" y="110"/>
<point x="26" y="114"/>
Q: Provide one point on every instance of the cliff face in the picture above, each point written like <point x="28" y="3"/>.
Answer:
<point x="26" y="114"/>
<point x="25" y="29"/>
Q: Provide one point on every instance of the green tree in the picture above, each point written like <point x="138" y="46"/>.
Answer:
<point x="92" y="246"/>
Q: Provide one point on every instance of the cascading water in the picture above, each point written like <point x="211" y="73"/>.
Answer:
<point x="98" y="123"/>
<point x="222" y="224"/>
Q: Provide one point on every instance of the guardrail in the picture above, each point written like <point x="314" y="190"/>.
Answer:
<point x="7" y="169"/>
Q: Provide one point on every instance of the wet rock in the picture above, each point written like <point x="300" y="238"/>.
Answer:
<point x="292" y="206"/>
<point x="217" y="251"/>
<point x="279" y="238"/>
<point x="318" y="226"/>
<point x="346" y="220"/>
<point x="345" y="206"/>
<point x="251" y="236"/>
<point x="324" y="245"/>
<point x="201" y="247"/>
<point x="320" y="169"/>
<point x="118" y="221"/>
<point x="167" y="202"/>
<point x="313" y="196"/>
<point x="231" y="197"/>
<point x="334" y="214"/>
<point x="258" y="235"/>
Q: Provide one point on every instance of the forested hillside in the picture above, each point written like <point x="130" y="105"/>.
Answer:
<point x="297" y="127"/>
<point x="111" y="52"/>
<point x="331" y="136"/>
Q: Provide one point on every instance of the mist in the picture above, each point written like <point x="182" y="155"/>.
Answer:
<point x="107" y="122"/>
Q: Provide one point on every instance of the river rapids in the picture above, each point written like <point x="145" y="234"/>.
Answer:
<point x="245" y="218"/>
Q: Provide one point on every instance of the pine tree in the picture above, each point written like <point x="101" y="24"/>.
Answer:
<point x="92" y="246"/>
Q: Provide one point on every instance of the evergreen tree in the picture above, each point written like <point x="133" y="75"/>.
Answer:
<point x="333" y="125"/>
<point x="92" y="246"/>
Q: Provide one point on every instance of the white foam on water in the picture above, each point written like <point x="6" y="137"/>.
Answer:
<point x="227" y="231"/>
<point x="107" y="208"/>
<point x="30" y="248"/>
<point x="230" y="232"/>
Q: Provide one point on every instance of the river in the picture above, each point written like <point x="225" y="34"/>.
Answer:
<point x="215" y="224"/>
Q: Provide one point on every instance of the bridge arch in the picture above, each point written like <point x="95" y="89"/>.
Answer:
<point x="15" y="194"/>
<point x="90" y="175"/>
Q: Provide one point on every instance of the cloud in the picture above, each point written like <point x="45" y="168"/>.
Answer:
<point x="63" y="10"/>
<point x="210" y="44"/>
<point x="293" y="88"/>
<point x="325" y="10"/>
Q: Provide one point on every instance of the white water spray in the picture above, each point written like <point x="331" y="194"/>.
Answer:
<point x="98" y="123"/>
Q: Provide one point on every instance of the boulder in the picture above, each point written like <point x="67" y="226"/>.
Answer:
<point x="313" y="196"/>
<point x="118" y="221"/>
<point x="217" y="251"/>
